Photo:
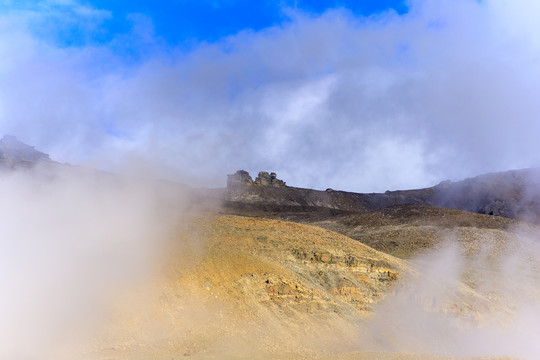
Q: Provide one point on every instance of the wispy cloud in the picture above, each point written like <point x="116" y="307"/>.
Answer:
<point x="366" y="104"/>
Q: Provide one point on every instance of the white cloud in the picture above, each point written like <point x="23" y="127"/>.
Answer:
<point x="311" y="99"/>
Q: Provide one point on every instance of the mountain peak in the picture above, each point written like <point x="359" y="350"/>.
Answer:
<point x="14" y="151"/>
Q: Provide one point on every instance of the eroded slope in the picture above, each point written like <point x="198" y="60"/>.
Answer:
<point x="239" y="286"/>
<point x="243" y="288"/>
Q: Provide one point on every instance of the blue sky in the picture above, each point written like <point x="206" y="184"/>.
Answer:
<point x="178" y="21"/>
<point x="353" y="95"/>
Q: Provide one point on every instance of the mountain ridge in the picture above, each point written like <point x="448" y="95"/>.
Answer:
<point x="512" y="194"/>
<point x="351" y="214"/>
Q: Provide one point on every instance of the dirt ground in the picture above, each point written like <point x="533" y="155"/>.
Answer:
<point x="236" y="287"/>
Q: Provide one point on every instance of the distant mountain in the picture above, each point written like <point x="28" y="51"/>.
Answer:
<point x="15" y="153"/>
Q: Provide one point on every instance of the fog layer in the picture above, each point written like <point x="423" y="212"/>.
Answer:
<point x="70" y="242"/>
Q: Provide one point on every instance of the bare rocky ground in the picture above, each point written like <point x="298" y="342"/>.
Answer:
<point x="478" y="268"/>
<point x="237" y="287"/>
<point x="404" y="230"/>
<point x="266" y="271"/>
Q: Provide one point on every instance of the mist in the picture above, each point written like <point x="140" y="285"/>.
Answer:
<point x="72" y="241"/>
<point x="465" y="298"/>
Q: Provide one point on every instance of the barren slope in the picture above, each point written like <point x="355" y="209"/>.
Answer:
<point x="407" y="230"/>
<point x="257" y="287"/>
<point x="491" y="247"/>
<point x="245" y="288"/>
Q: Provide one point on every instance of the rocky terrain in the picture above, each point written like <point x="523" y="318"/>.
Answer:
<point x="512" y="194"/>
<point x="240" y="288"/>
<point x="262" y="270"/>
<point x="245" y="288"/>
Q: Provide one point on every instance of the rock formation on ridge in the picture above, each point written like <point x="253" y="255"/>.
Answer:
<point x="242" y="177"/>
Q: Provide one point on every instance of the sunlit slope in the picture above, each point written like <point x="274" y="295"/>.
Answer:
<point x="292" y="266"/>
<point x="495" y="256"/>
<point x="246" y="288"/>
<point x="242" y="286"/>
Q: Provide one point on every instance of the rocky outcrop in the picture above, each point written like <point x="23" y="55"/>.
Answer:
<point x="266" y="179"/>
<point x="239" y="178"/>
<point x="242" y="178"/>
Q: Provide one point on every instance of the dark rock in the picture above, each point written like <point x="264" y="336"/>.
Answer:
<point x="266" y="179"/>
<point x="241" y="177"/>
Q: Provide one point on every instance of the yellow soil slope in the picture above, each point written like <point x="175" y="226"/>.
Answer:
<point x="252" y="288"/>
<point x="244" y="288"/>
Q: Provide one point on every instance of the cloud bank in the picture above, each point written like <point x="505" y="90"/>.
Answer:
<point x="447" y="90"/>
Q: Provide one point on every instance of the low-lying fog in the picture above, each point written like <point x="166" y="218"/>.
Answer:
<point x="70" y="241"/>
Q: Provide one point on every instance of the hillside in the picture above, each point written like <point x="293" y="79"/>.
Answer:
<point x="16" y="154"/>
<point x="274" y="287"/>
<point x="407" y="230"/>
<point x="267" y="271"/>
<point x="242" y="288"/>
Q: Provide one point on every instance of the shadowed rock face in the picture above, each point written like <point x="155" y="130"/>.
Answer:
<point x="242" y="178"/>
<point x="512" y="194"/>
